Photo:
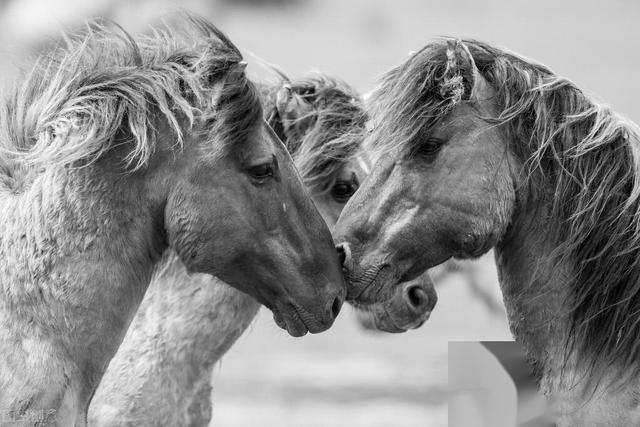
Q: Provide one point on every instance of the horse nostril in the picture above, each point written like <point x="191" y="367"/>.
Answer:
<point x="335" y="307"/>
<point x="342" y="250"/>
<point x="417" y="298"/>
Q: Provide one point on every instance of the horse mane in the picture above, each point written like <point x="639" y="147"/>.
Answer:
<point x="103" y="88"/>
<point x="337" y="132"/>
<point x="411" y="98"/>
<point x="570" y="144"/>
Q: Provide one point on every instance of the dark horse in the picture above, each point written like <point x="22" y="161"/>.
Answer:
<point x="113" y="150"/>
<point x="480" y="148"/>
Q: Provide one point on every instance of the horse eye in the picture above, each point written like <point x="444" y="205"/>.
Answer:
<point x="261" y="171"/>
<point x="343" y="190"/>
<point x="308" y="91"/>
<point x="431" y="146"/>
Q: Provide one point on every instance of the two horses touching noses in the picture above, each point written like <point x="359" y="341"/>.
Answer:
<point x="116" y="151"/>
<point x="163" y="370"/>
<point x="109" y="160"/>
<point x="402" y="308"/>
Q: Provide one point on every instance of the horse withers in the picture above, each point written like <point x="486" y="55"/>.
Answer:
<point x="114" y="149"/>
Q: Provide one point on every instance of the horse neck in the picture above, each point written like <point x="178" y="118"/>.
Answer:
<point x="197" y="313"/>
<point x="535" y="293"/>
<point x="78" y="248"/>
<point x="531" y="288"/>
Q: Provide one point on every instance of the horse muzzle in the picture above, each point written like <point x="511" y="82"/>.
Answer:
<point x="297" y="320"/>
<point x="409" y="307"/>
<point x="368" y="282"/>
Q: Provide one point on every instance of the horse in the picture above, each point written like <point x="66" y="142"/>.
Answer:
<point x="113" y="149"/>
<point x="481" y="148"/>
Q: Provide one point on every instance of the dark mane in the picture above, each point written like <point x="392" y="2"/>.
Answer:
<point x="578" y="149"/>
<point x="336" y="134"/>
<point x="104" y="83"/>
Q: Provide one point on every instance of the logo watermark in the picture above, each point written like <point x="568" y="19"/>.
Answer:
<point x="29" y="417"/>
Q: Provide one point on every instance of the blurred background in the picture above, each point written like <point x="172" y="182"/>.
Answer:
<point x="348" y="376"/>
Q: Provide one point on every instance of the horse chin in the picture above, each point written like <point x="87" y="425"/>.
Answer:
<point x="383" y="321"/>
<point x="386" y="321"/>
<point x="297" y="321"/>
<point x="292" y="324"/>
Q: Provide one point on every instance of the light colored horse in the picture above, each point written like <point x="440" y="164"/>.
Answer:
<point x="161" y="373"/>
<point x="113" y="150"/>
<point x="483" y="148"/>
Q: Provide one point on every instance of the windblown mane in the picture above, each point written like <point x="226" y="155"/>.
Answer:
<point x="104" y="88"/>
<point x="336" y="134"/>
<point x="581" y="151"/>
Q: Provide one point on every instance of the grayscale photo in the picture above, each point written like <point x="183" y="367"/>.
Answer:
<point x="319" y="213"/>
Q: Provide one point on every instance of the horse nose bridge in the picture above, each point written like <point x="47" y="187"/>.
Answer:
<point x="369" y="214"/>
<point x="318" y="243"/>
<point x="305" y="228"/>
<point x="384" y="203"/>
<point x="317" y="259"/>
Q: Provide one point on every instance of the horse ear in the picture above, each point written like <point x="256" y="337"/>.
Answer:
<point x="296" y="114"/>
<point x="234" y="74"/>
<point x="461" y="74"/>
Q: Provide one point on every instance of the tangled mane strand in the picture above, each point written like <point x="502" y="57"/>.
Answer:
<point x="103" y="88"/>
<point x="336" y="133"/>
<point x="584" y="155"/>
